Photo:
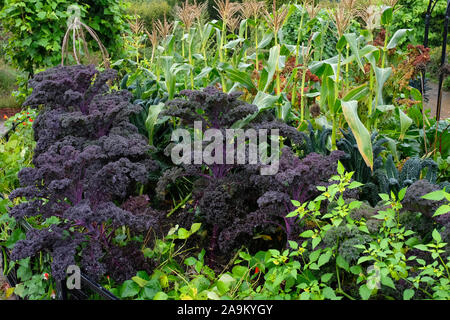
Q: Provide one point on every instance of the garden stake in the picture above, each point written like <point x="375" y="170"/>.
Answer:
<point x="443" y="58"/>
<point x="430" y="9"/>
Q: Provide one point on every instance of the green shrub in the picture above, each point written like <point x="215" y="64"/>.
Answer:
<point x="7" y="85"/>
<point x="7" y="78"/>
<point x="435" y="63"/>
<point x="446" y="84"/>
<point x="150" y="10"/>
<point x="8" y="101"/>
<point x="269" y="3"/>
<point x="37" y="29"/>
<point x="411" y="14"/>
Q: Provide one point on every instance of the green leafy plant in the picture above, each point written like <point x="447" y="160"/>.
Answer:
<point x="17" y="151"/>
<point x="149" y="11"/>
<point x="37" y="29"/>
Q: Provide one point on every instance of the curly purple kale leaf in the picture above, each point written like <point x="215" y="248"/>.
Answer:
<point x="88" y="158"/>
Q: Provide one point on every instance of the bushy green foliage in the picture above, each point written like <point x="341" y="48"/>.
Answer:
<point x="435" y="65"/>
<point x="150" y="10"/>
<point x="339" y="257"/>
<point x="16" y="152"/>
<point x="326" y="40"/>
<point x="7" y="78"/>
<point x="7" y="85"/>
<point x="295" y="245"/>
<point x="269" y="3"/>
<point x="37" y="29"/>
<point x="411" y="13"/>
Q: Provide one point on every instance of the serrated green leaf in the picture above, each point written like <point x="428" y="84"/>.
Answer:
<point x="387" y="281"/>
<point x="293" y="245"/>
<point x="314" y="255"/>
<point x="315" y="242"/>
<point x="195" y="227"/>
<point x="355" y="184"/>
<point x="326" y="277"/>
<point x="292" y="214"/>
<point x="324" y="258"/>
<point x="436" y="236"/>
<point x="356" y="270"/>
<point x="141" y="282"/>
<point x="342" y="263"/>
<point x="190" y="261"/>
<point x="129" y="289"/>
<point x="183" y="233"/>
<point x="307" y="234"/>
<point x="365" y="292"/>
<point x="160" y="296"/>
<point x="408" y="294"/>
<point x="328" y="293"/>
<point x="435" y="195"/>
<point x="442" y="210"/>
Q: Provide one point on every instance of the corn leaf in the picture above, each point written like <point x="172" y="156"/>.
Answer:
<point x="362" y="135"/>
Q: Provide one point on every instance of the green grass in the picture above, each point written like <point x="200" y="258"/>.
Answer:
<point x="7" y="85"/>
<point x="149" y="11"/>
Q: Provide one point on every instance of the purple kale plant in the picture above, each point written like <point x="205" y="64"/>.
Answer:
<point x="414" y="202"/>
<point x="88" y="159"/>
<point x="296" y="179"/>
<point x="234" y="201"/>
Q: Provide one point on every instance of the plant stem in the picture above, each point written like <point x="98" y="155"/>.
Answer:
<point x="369" y="114"/>
<point x="153" y="55"/>
<point x="338" y="71"/>
<point x="256" y="46"/>
<point x="182" y="202"/>
<point x="302" y="99"/>
<point x="191" y="62"/>
<point x="345" y="294"/>
<point x="299" y="38"/>
<point x="335" y="117"/>
<point x="276" y="70"/>
<point x="443" y="263"/>
<point x="245" y="36"/>
<point x="346" y="69"/>
<point x="183" y="54"/>
<point x="221" y="56"/>
<point x="384" y="47"/>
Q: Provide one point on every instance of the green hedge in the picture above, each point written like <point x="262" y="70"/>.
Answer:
<point x="37" y="29"/>
<point x="435" y="64"/>
<point x="150" y="10"/>
<point x="411" y="14"/>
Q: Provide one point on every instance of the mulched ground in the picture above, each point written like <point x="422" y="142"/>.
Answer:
<point x="432" y="101"/>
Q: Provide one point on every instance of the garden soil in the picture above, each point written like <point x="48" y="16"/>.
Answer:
<point x="432" y="101"/>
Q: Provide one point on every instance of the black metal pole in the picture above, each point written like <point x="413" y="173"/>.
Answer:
<point x="443" y="60"/>
<point x="61" y="292"/>
<point x="427" y="21"/>
<point x="430" y="8"/>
